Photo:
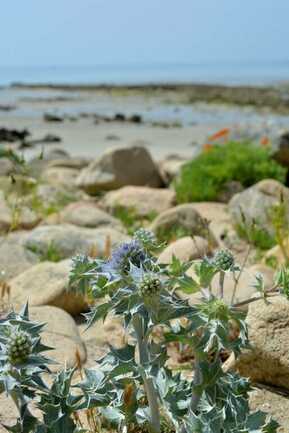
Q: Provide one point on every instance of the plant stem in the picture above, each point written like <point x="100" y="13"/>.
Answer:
<point x="221" y="282"/>
<point x="197" y="394"/>
<point x="144" y="359"/>
<point x="239" y="275"/>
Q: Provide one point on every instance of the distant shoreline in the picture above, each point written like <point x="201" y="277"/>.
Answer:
<point x="272" y="97"/>
<point x="134" y="86"/>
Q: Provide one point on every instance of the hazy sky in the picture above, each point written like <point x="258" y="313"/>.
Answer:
<point x="90" y="32"/>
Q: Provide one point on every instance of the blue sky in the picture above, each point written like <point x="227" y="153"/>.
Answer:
<point x="91" y="32"/>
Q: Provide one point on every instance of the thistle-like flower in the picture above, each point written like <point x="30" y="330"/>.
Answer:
<point x="224" y="260"/>
<point x="18" y="347"/>
<point x="126" y="254"/>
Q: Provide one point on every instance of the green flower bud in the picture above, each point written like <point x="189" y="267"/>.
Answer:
<point x="150" y="286"/>
<point x="223" y="260"/>
<point x="215" y="309"/>
<point x="18" y="347"/>
<point x="146" y="237"/>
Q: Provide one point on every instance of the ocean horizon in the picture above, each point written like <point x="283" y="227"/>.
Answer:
<point x="243" y="73"/>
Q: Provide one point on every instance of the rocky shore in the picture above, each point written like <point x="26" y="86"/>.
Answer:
<point x="273" y="97"/>
<point x="60" y="201"/>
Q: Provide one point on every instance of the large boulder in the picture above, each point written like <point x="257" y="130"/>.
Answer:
<point x="171" y="166"/>
<point x="275" y="404"/>
<point x="219" y="221"/>
<point x="14" y="257"/>
<point x="47" y="283"/>
<point x="267" y="361"/>
<point x="68" y="240"/>
<point x="144" y="201"/>
<point x="255" y="204"/>
<point x="185" y="249"/>
<point x="87" y="214"/>
<point x="182" y="219"/>
<point x="120" y="167"/>
<point x="60" y="333"/>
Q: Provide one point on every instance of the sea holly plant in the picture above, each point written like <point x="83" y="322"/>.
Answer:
<point x="22" y="366"/>
<point x="133" y="388"/>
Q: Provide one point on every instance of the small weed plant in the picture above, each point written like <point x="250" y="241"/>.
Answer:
<point x="205" y="177"/>
<point x="132" y="389"/>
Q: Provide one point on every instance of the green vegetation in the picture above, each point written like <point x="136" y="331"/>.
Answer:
<point x="256" y="236"/>
<point x="262" y="239"/>
<point x="205" y="177"/>
<point x="44" y="209"/>
<point x="131" y="220"/>
<point x="173" y="233"/>
<point x="50" y="254"/>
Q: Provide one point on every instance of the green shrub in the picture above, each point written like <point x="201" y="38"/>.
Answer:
<point x="204" y="178"/>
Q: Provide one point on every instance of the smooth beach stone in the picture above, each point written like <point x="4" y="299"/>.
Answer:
<point x="47" y="283"/>
<point x="60" y="333"/>
<point x="68" y="240"/>
<point x="170" y="167"/>
<point x="37" y="165"/>
<point x="184" y="218"/>
<point x="219" y="220"/>
<point x="87" y="214"/>
<point x="256" y="202"/>
<point x="185" y="249"/>
<point x="267" y="360"/>
<point x="120" y="167"/>
<point x="14" y="257"/>
<point x="16" y="215"/>
<point x="142" y="200"/>
<point x="60" y="175"/>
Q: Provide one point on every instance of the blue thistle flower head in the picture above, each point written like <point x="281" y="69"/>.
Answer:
<point x="126" y="254"/>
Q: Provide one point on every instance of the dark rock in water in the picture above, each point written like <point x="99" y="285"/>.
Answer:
<point x="135" y="118"/>
<point x="13" y="135"/>
<point x="49" y="117"/>
<point x="112" y="137"/>
<point x="8" y="107"/>
<point x="119" y="117"/>
<point x="48" y="138"/>
<point x="282" y="152"/>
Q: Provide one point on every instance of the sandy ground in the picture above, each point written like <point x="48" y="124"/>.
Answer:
<point x="84" y="138"/>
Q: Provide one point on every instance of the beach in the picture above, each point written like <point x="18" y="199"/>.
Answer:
<point x="167" y="119"/>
